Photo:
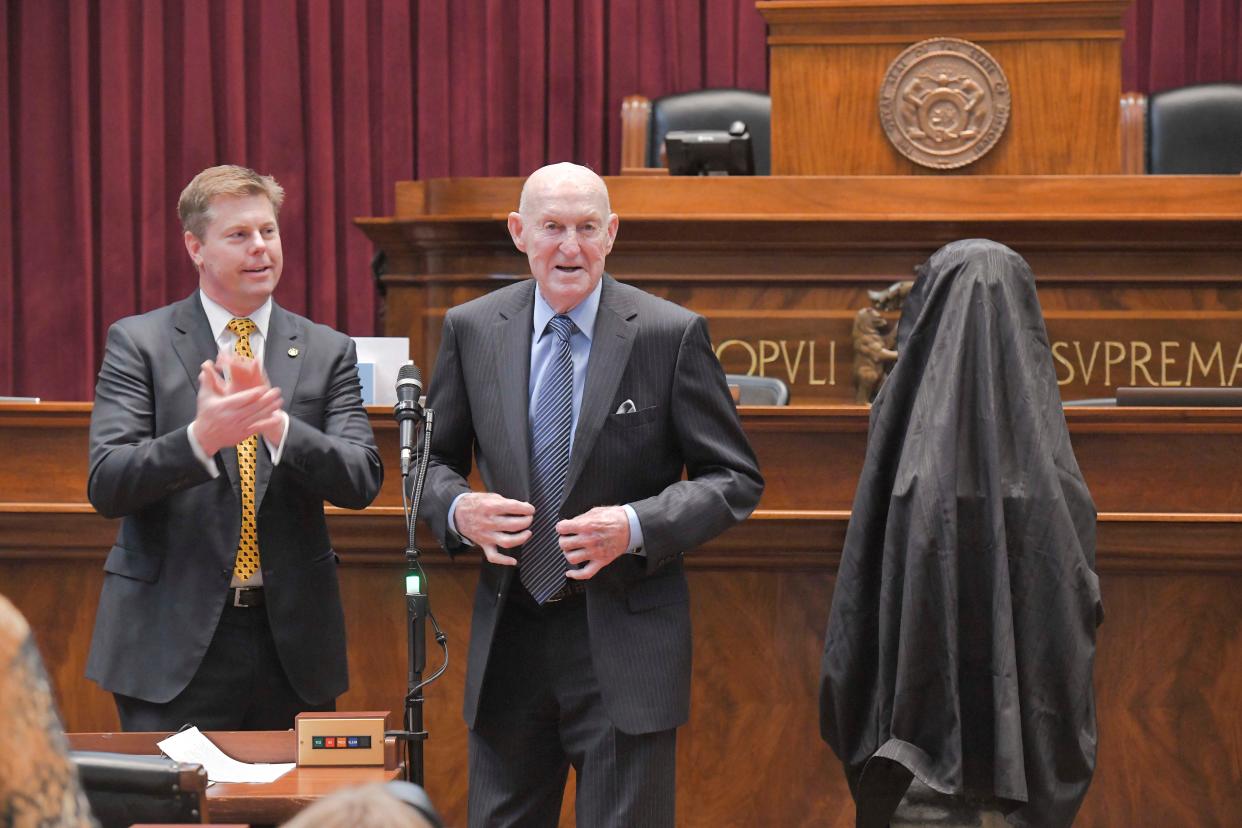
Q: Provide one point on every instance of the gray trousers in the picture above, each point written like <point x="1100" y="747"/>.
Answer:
<point x="540" y="713"/>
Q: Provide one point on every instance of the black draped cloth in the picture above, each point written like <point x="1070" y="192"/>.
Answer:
<point x="962" y="633"/>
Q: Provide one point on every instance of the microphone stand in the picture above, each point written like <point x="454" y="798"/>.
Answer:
<point x="418" y="610"/>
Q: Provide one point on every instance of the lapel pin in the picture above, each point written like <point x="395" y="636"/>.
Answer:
<point x="293" y="352"/>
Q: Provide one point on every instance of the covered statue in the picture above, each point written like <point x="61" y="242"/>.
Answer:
<point x="961" y="638"/>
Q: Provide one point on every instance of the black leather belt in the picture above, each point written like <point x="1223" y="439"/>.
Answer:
<point x="570" y="589"/>
<point x="246" y="596"/>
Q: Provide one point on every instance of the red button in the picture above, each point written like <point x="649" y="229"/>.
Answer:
<point x="329" y="741"/>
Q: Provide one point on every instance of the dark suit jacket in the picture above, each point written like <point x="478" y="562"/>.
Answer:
<point x="166" y="578"/>
<point x="658" y="355"/>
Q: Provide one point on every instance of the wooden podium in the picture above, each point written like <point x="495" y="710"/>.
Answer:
<point x="1140" y="277"/>
<point x="828" y="60"/>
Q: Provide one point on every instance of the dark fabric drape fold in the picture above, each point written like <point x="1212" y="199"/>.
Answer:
<point x="108" y="107"/>
<point x="961" y="637"/>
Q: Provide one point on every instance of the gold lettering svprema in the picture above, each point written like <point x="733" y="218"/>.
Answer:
<point x="1167" y="362"/>
<point x="1089" y="367"/>
<point x="1114" y="354"/>
<point x="1137" y="364"/>
<point x="1059" y="357"/>
<point x="1196" y="359"/>
<point x="1237" y="363"/>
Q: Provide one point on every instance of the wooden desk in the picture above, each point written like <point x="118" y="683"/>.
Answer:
<point x="1168" y="672"/>
<point x="270" y="803"/>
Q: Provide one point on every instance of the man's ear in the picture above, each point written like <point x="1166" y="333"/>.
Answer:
<point x="515" y="231"/>
<point x="193" y="245"/>
<point x="614" y="223"/>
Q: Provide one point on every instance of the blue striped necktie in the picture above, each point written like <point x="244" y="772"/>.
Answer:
<point x="543" y="565"/>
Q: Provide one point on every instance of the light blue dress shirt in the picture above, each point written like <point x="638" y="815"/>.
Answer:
<point x="542" y="356"/>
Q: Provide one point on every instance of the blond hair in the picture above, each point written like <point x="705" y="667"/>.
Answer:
<point x="194" y="206"/>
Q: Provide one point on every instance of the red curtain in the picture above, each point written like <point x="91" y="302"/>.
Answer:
<point x="108" y="108"/>
<point x="1171" y="43"/>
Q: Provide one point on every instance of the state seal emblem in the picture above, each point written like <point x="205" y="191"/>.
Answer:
<point x="944" y="103"/>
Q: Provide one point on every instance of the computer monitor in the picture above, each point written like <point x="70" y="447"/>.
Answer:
<point x="710" y="151"/>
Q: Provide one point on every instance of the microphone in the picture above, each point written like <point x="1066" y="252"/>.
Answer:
<point x="407" y="410"/>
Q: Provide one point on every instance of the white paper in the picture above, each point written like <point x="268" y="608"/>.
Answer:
<point x="388" y="354"/>
<point x="192" y="746"/>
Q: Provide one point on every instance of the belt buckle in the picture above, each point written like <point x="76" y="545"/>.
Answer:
<point x="569" y="590"/>
<point x="237" y="594"/>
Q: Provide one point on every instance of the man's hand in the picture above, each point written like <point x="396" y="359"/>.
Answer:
<point x="225" y="418"/>
<point x="241" y="372"/>
<point x="244" y="373"/>
<point x="595" y="538"/>
<point x="493" y="522"/>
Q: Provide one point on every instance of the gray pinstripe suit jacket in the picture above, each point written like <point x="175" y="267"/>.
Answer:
<point x="167" y="577"/>
<point x="644" y="349"/>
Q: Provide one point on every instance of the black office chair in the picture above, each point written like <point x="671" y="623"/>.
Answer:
<point x="645" y="122"/>
<point x="124" y="788"/>
<point x="1195" y="130"/>
<point x="759" y="390"/>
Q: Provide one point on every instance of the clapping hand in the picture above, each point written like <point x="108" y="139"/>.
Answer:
<point x="235" y="400"/>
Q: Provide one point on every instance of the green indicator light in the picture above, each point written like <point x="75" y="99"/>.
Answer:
<point x="412" y="584"/>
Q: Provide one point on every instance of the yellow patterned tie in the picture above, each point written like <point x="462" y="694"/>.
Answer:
<point x="247" y="561"/>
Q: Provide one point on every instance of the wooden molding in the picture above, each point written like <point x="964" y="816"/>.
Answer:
<point x="635" y="124"/>
<point x="1133" y="133"/>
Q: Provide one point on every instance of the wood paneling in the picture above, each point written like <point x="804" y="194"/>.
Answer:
<point x="1140" y="277"/>
<point x="828" y="60"/>
<point x="1168" y="674"/>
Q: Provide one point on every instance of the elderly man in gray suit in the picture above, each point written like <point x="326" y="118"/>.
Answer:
<point x="609" y="446"/>
<point x="221" y="425"/>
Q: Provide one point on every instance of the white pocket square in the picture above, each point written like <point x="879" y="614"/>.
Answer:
<point x="627" y="407"/>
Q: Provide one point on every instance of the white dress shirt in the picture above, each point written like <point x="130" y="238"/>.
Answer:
<point x="218" y="319"/>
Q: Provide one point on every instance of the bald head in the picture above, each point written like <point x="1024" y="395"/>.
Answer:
<point x="564" y="177"/>
<point x="566" y="228"/>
